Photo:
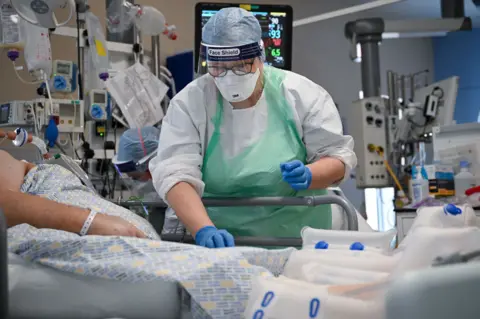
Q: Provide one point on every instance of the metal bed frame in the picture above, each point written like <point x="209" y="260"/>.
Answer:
<point x="212" y="202"/>
<point x="311" y="201"/>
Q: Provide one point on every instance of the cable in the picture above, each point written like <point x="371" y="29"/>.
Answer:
<point x="73" y="146"/>
<point x="381" y="153"/>
<point x="22" y="80"/>
<point x="79" y="52"/>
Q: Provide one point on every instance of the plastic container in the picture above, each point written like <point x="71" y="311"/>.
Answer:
<point x="97" y="46"/>
<point x="473" y="196"/>
<point x="419" y="187"/>
<point x="150" y="21"/>
<point x="283" y="298"/>
<point x="11" y="28"/>
<point x="347" y="259"/>
<point x="425" y="244"/>
<point x="440" y="217"/>
<point x="332" y="275"/>
<point x="381" y="241"/>
<point x="464" y="180"/>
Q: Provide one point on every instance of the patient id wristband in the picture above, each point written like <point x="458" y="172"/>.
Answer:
<point x="88" y="223"/>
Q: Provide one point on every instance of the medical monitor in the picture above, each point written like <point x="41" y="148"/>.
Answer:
<point x="441" y="96"/>
<point x="277" y="27"/>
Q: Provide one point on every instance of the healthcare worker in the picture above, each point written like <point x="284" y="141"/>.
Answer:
<point x="135" y="150"/>
<point x="247" y="130"/>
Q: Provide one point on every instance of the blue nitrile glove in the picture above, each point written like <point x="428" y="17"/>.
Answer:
<point x="211" y="237"/>
<point x="297" y="175"/>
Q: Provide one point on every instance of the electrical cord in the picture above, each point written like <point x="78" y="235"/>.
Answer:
<point x="79" y="52"/>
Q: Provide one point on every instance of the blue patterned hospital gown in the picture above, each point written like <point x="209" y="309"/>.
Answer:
<point x="217" y="281"/>
<point x="59" y="184"/>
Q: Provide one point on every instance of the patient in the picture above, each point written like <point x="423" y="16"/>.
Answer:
<point x="49" y="196"/>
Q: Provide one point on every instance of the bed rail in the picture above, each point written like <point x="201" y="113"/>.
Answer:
<point x="3" y="267"/>
<point x="261" y="201"/>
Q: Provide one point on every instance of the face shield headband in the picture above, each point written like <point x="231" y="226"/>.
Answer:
<point x="210" y="54"/>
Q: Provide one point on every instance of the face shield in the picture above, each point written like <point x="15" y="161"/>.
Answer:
<point x="235" y="69"/>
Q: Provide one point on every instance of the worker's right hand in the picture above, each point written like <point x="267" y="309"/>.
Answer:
<point x="106" y="225"/>
<point x="211" y="237"/>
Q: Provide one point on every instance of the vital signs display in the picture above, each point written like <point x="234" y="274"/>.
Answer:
<point x="276" y="22"/>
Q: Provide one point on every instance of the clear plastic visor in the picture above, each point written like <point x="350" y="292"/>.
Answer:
<point x="219" y="61"/>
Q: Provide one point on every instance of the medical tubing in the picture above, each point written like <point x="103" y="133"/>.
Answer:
<point x="3" y="267"/>
<point x="48" y="91"/>
<point x="21" y="79"/>
<point x="271" y="201"/>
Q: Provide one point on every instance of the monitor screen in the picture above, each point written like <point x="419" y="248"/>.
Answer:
<point x="99" y="98"/>
<point x="277" y="26"/>
<point x="4" y="113"/>
<point x="63" y="68"/>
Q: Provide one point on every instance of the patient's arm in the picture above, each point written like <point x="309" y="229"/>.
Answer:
<point x="40" y="212"/>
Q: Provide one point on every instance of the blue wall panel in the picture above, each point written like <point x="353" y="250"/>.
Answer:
<point x="459" y="54"/>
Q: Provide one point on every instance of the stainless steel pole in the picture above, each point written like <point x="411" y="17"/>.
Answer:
<point x="156" y="62"/>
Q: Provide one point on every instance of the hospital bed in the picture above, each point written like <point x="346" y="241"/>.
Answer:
<point x="38" y="291"/>
<point x="352" y="220"/>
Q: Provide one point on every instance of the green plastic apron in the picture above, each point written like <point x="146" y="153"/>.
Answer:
<point x="255" y="172"/>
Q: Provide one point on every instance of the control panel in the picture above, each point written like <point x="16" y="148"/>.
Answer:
<point x="66" y="70"/>
<point x="97" y="105"/>
<point x="68" y="114"/>
<point x="367" y="124"/>
<point x="16" y="113"/>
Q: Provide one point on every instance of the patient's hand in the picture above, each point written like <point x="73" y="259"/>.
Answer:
<point x="105" y="225"/>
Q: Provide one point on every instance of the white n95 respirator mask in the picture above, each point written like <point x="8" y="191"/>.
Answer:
<point x="235" y="88"/>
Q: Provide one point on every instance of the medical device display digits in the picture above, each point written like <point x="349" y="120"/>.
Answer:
<point x="275" y="20"/>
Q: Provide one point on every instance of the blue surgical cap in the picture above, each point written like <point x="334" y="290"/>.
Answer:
<point x="130" y="148"/>
<point x="232" y="27"/>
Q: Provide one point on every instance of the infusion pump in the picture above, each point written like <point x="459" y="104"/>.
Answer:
<point x="17" y="113"/>
<point x="97" y="105"/>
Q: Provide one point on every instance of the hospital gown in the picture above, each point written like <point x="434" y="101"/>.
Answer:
<point x="217" y="282"/>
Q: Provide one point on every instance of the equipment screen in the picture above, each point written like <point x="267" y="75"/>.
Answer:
<point x="63" y="68"/>
<point x="99" y="98"/>
<point x="4" y="113"/>
<point x="277" y="26"/>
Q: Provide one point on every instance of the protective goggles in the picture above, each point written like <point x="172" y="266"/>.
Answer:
<point x="219" y="60"/>
<point x="131" y="166"/>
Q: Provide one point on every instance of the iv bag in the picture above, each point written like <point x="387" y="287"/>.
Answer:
<point x="120" y="16"/>
<point x="11" y="27"/>
<point x="150" y="21"/>
<point x="138" y="93"/>
<point x="38" y="53"/>
<point x="97" y="45"/>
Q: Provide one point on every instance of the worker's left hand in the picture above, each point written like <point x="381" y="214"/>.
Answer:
<point x="297" y="175"/>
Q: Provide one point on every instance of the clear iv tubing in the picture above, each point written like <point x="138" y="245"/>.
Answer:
<point x="48" y="91"/>
<point x="21" y="79"/>
<point x="422" y="153"/>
